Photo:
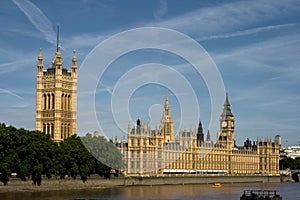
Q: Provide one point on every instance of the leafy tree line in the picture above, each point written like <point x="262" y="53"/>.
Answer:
<point x="289" y="163"/>
<point x="31" y="154"/>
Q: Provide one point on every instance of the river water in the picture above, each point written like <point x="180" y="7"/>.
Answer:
<point x="289" y="191"/>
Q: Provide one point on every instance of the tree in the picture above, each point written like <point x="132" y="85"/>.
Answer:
<point x="8" y="156"/>
<point x="74" y="159"/>
<point x="31" y="154"/>
<point x="106" y="153"/>
<point x="28" y="153"/>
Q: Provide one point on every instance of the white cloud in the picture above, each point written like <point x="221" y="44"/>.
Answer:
<point x="245" y="32"/>
<point x="228" y="17"/>
<point x="262" y="55"/>
<point x="14" y="65"/>
<point x="161" y="10"/>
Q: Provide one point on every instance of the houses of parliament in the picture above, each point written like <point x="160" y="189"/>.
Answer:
<point x="148" y="151"/>
<point x="153" y="152"/>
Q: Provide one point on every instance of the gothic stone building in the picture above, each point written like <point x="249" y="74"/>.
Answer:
<point x="153" y="152"/>
<point x="56" y="93"/>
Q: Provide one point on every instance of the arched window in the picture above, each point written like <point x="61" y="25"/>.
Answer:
<point x="61" y="131"/>
<point x="68" y="130"/>
<point x="65" y="131"/>
<point x="69" y="102"/>
<point x="52" y="130"/>
<point x="45" y="101"/>
<point x="65" y="102"/>
<point x="48" y="128"/>
<point x="48" y="100"/>
<point x="62" y="101"/>
<point x="44" y="128"/>
<point x="53" y="101"/>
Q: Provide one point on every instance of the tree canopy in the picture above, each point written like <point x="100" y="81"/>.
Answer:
<point x="289" y="163"/>
<point x="31" y="154"/>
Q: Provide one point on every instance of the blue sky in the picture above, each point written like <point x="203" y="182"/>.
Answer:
<point x="254" y="44"/>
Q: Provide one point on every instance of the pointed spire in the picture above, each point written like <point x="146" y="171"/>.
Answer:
<point x="200" y="135"/>
<point x="208" y="136"/>
<point x="227" y="109"/>
<point x="167" y="100"/>
<point x="138" y="122"/>
<point x="167" y="107"/>
<point x="226" y="100"/>
<point x="74" y="59"/>
<point x="200" y="129"/>
<point x="40" y="59"/>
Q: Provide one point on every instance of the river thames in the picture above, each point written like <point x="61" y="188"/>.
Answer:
<point x="200" y="191"/>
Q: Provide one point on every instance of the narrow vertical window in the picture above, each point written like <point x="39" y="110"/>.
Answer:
<point x="53" y="101"/>
<point x="62" y="101"/>
<point x="45" y="101"/>
<point x="52" y="130"/>
<point x="48" y="100"/>
<point x="69" y="102"/>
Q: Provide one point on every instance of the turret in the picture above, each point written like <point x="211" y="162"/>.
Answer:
<point x="74" y="65"/>
<point x="40" y="63"/>
<point x="200" y="135"/>
<point x="207" y="136"/>
<point x="167" y="111"/>
<point x="58" y="61"/>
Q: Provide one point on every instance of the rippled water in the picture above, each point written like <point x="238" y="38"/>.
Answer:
<point x="202" y="191"/>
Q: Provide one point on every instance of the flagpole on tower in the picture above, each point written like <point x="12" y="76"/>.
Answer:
<point x="57" y="38"/>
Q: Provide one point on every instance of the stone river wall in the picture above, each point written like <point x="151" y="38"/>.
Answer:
<point x="15" y="185"/>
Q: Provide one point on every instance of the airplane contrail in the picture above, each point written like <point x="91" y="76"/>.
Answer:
<point x="4" y="91"/>
<point x="38" y="19"/>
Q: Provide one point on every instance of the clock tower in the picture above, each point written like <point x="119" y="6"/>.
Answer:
<point x="226" y="137"/>
<point x="167" y="124"/>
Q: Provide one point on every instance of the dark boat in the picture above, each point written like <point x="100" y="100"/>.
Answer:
<point x="260" y="195"/>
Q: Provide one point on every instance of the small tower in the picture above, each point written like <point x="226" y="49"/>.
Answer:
<point x="226" y="137"/>
<point x="200" y="135"/>
<point x="166" y="123"/>
<point x="56" y="97"/>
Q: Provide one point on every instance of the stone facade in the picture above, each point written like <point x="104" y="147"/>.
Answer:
<point x="158" y="151"/>
<point x="56" y="97"/>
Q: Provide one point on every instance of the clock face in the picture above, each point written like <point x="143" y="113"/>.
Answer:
<point x="224" y="124"/>
<point x="232" y="124"/>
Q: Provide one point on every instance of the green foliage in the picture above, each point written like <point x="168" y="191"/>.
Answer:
<point x="103" y="150"/>
<point x="289" y="163"/>
<point x="31" y="154"/>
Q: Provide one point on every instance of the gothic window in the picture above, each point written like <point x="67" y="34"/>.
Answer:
<point x="48" y="100"/>
<point x="68" y="130"/>
<point x="69" y="102"/>
<point x="61" y="131"/>
<point x="65" y="101"/>
<point x="62" y="101"/>
<point x="138" y="142"/>
<point x="65" y="131"/>
<point x="132" y="142"/>
<point x="52" y="130"/>
<point x="45" y="101"/>
<point x="53" y="100"/>
<point x="48" y="128"/>
<point x="44" y="128"/>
